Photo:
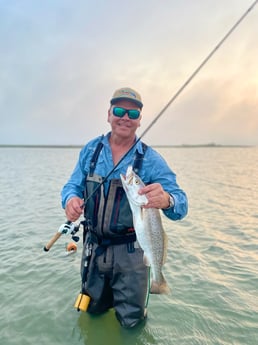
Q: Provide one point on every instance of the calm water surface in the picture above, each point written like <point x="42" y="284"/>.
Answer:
<point x="212" y="265"/>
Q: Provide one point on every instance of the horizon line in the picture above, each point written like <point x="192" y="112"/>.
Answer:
<point x="157" y="145"/>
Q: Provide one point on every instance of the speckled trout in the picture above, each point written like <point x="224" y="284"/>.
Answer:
<point x="149" y="231"/>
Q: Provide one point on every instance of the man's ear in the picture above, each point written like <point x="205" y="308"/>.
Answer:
<point x="109" y="114"/>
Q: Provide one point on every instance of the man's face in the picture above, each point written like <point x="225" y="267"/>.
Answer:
<point x="123" y="126"/>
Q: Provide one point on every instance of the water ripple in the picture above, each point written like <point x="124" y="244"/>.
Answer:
<point x="211" y="267"/>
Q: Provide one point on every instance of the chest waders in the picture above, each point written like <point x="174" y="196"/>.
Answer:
<point x="108" y="234"/>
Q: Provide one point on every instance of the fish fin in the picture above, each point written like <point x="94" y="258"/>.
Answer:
<point x="146" y="261"/>
<point x="159" y="288"/>
<point x="143" y="213"/>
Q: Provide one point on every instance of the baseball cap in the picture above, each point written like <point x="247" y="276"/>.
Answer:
<point x="126" y="93"/>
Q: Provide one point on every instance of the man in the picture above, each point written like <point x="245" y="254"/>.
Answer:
<point x="114" y="275"/>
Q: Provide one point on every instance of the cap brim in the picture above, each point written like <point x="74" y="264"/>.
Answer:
<point x="115" y="100"/>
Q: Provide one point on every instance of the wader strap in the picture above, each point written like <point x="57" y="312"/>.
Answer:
<point x="139" y="158"/>
<point x="137" y="161"/>
<point x="95" y="156"/>
<point x="104" y="242"/>
<point x="109" y="241"/>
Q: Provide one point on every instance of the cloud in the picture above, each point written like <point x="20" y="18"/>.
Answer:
<point x="61" y="64"/>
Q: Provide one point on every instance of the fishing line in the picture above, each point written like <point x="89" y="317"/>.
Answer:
<point x="180" y="90"/>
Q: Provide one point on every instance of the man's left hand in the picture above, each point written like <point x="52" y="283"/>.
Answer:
<point x="157" y="197"/>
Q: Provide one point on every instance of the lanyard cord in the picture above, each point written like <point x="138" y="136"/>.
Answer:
<point x="180" y="90"/>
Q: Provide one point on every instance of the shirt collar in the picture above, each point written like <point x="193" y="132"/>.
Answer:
<point x="137" y="147"/>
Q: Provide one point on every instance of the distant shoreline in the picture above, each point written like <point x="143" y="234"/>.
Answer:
<point x="157" y="146"/>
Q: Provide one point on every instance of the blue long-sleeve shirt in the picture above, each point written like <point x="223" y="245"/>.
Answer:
<point x="154" y="170"/>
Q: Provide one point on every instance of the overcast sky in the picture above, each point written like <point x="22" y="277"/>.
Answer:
<point x="62" y="60"/>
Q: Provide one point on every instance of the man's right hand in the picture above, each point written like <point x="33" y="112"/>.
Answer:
<point x="74" y="208"/>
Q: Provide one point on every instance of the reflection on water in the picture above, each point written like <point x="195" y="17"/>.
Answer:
<point x="211" y="266"/>
<point x="104" y="329"/>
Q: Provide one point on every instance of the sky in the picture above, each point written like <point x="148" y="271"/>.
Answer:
<point x="62" y="60"/>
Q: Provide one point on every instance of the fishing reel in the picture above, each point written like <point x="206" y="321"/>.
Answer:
<point x="70" y="228"/>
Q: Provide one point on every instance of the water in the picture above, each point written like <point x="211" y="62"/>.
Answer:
<point x="212" y="266"/>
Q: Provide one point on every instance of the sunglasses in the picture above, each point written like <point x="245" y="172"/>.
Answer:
<point x="133" y="114"/>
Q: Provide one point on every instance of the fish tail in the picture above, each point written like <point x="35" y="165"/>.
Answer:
<point x="159" y="287"/>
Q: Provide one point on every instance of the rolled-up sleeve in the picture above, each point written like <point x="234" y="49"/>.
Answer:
<point x="157" y="171"/>
<point x="76" y="184"/>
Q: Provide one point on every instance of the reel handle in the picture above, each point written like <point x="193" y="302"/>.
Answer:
<point x="54" y="239"/>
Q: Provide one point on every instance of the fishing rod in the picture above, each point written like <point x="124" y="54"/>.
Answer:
<point x="65" y="228"/>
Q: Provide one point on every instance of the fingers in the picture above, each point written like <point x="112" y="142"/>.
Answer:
<point x="157" y="197"/>
<point x="74" y="208"/>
